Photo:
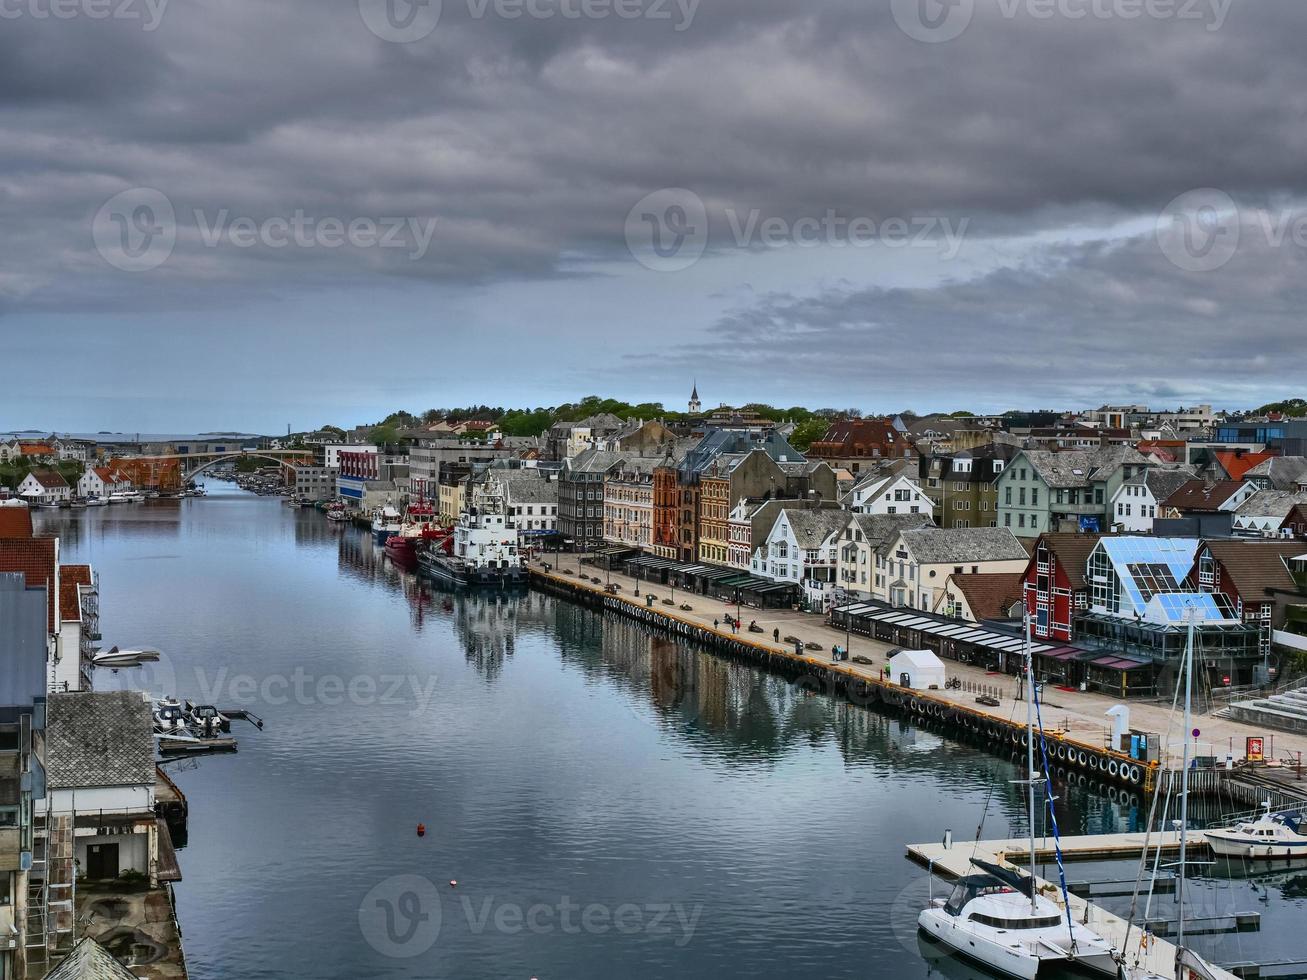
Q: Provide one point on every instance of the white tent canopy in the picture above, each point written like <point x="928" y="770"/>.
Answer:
<point x="917" y="669"/>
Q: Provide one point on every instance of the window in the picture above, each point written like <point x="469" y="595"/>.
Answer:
<point x="1007" y="520"/>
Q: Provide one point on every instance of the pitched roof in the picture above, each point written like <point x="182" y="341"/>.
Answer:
<point x="90" y="961"/>
<point x="1283" y="472"/>
<point x="593" y="461"/>
<point x="1071" y="551"/>
<point x="1162" y="481"/>
<point x="1202" y="495"/>
<point x="50" y="479"/>
<point x="15" y="521"/>
<point x="934" y="545"/>
<point x="99" y="738"/>
<point x="1270" y="503"/>
<point x="812" y="526"/>
<point x="36" y="559"/>
<point x="1254" y="566"/>
<point x="1080" y="467"/>
<point x="989" y="595"/>
<point x="879" y="530"/>
<point x="71" y="577"/>
<point x="1237" y="465"/>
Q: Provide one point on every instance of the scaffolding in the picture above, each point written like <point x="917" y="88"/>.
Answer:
<point x="52" y="887"/>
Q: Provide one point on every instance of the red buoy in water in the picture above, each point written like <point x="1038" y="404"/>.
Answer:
<point x="422" y="830"/>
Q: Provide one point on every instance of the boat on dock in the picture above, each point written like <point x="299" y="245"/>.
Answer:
<point x="385" y="522"/>
<point x="1270" y="836"/>
<point x="419" y="528"/>
<point x="997" y="917"/>
<point x="337" y="513"/>
<point x="484" y="549"/>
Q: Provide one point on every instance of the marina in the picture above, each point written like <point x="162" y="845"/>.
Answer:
<point x="704" y="693"/>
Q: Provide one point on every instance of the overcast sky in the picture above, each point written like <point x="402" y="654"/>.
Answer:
<point x="252" y="213"/>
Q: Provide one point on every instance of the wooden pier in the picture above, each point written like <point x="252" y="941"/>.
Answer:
<point x="955" y="861"/>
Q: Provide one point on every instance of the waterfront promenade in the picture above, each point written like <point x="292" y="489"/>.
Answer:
<point x="1079" y="715"/>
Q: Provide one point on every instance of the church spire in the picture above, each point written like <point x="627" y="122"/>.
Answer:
<point x="695" y="405"/>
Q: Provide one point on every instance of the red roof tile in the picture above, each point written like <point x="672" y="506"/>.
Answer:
<point x="15" y="522"/>
<point x="36" y="559"/>
<point x="1236" y="464"/>
<point x="70" y="603"/>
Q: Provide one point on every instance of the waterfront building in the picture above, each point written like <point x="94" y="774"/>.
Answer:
<point x="918" y="561"/>
<point x="979" y="596"/>
<point x="581" y="497"/>
<point x="312" y="481"/>
<point x="566" y="440"/>
<point x="23" y="653"/>
<point x="45" y="487"/>
<point x="368" y="480"/>
<point x="802" y="548"/>
<point x="102" y="482"/>
<point x="1042" y="490"/>
<point x="1054" y="586"/>
<point x="429" y="459"/>
<point x="1260" y="579"/>
<point x="628" y="503"/>
<point x="864" y="548"/>
<point x="101" y="777"/>
<point x="530" y="500"/>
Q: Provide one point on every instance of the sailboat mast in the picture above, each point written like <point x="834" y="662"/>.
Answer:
<point x="1030" y="748"/>
<point x="1184" y="778"/>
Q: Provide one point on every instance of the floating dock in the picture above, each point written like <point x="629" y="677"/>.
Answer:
<point x="955" y="861"/>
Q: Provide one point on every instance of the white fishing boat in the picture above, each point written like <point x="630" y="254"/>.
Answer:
<point x="114" y="657"/>
<point x="385" y="522"/>
<point x="1272" y="835"/>
<point x="998" y="918"/>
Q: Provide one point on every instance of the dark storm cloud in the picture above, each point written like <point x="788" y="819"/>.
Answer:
<point x="528" y="140"/>
<point x="1077" y="326"/>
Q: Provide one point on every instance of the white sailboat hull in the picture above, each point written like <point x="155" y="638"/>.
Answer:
<point x="1231" y="844"/>
<point x="1001" y="951"/>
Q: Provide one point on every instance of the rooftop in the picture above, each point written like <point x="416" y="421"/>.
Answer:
<point x="933" y="545"/>
<point x="99" y="738"/>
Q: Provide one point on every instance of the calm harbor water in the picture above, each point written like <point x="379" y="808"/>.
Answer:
<point x="611" y="803"/>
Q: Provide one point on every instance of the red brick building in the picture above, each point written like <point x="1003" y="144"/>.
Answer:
<point x="855" y="442"/>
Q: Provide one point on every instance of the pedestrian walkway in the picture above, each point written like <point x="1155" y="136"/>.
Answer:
<point x="1080" y="714"/>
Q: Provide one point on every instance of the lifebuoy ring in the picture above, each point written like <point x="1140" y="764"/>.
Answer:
<point x="1093" y="763"/>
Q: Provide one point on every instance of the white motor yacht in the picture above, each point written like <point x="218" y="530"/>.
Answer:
<point x="1272" y="835"/>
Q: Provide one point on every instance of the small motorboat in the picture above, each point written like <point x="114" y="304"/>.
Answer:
<point x="1272" y="835"/>
<point x="208" y="722"/>
<point x="114" y="657"/>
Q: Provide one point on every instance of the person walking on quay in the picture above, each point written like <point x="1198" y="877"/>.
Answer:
<point x="714" y="624"/>
<point x="776" y="634"/>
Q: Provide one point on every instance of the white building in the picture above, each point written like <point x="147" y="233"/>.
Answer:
<point x="100" y="770"/>
<point x="864" y="538"/>
<point x="1138" y="501"/>
<point x="45" y="487"/>
<point x="101" y="481"/>
<point x="915" y="568"/>
<point x="889" y="495"/>
<point x="803" y="547"/>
